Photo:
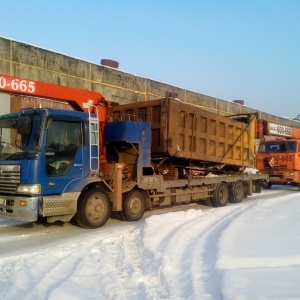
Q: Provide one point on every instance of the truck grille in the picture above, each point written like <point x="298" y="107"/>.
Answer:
<point x="10" y="177"/>
<point x="276" y="168"/>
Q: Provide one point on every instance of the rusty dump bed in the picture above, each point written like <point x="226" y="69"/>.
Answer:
<point x="186" y="131"/>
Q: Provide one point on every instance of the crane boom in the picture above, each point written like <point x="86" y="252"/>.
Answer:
<point x="78" y="99"/>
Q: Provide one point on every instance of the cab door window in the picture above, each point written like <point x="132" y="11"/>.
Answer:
<point x="63" y="140"/>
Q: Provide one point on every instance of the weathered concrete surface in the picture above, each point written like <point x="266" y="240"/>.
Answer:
<point x="26" y="61"/>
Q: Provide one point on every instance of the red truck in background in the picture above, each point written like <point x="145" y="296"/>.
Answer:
<point x="278" y="153"/>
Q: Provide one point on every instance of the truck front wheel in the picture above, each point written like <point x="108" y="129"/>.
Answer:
<point x="133" y="206"/>
<point x="93" y="209"/>
<point x="221" y="195"/>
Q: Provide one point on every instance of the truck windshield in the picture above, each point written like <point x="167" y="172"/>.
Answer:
<point x="16" y="145"/>
<point x="277" y="147"/>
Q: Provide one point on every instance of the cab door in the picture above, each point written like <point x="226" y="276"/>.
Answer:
<point x="64" y="154"/>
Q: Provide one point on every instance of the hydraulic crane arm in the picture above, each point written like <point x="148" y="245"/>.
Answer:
<point x="78" y="99"/>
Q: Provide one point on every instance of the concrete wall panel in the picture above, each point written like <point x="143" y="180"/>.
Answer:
<point x="4" y="67"/>
<point x="30" y="62"/>
<point x="5" y="49"/>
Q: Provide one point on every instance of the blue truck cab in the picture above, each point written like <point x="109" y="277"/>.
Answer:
<point x="45" y="162"/>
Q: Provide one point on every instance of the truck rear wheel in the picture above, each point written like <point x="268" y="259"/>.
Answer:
<point x="133" y="206"/>
<point x="237" y="192"/>
<point x="221" y="195"/>
<point x="267" y="186"/>
<point x="93" y="209"/>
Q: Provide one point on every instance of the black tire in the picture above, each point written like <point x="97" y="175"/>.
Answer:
<point x="133" y="206"/>
<point x="122" y="216"/>
<point x="221" y="195"/>
<point x="208" y="202"/>
<point x="267" y="186"/>
<point x="93" y="209"/>
<point x="257" y="186"/>
<point x="237" y="192"/>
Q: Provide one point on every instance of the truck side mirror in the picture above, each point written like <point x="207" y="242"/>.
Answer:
<point x="23" y="125"/>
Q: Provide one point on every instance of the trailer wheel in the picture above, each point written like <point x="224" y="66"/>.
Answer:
<point x="258" y="185"/>
<point x="221" y="195"/>
<point x="93" y="209"/>
<point x="133" y="206"/>
<point x="267" y="186"/>
<point x="237" y="192"/>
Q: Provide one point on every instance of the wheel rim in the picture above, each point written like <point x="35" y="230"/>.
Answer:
<point x="222" y="195"/>
<point x="239" y="191"/>
<point x="134" y="205"/>
<point x="95" y="208"/>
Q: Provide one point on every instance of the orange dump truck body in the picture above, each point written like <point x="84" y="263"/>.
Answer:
<point x="188" y="132"/>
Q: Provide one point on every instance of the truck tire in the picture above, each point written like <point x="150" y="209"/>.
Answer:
<point x="267" y="186"/>
<point x="257" y="186"/>
<point x="133" y="206"/>
<point x="237" y="192"/>
<point x="221" y="195"/>
<point x="93" y="209"/>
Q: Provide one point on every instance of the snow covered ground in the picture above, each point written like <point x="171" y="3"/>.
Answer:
<point x="249" y="250"/>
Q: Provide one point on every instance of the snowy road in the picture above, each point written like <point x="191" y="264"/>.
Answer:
<point x="198" y="252"/>
<point x="18" y="236"/>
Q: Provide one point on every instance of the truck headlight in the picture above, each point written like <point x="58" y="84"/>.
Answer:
<point x="294" y="174"/>
<point x="29" y="189"/>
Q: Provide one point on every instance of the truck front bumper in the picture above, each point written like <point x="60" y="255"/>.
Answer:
<point x="19" y="208"/>
<point x="285" y="177"/>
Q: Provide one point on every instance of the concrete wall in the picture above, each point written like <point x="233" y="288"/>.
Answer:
<point x="4" y="104"/>
<point x="26" y="61"/>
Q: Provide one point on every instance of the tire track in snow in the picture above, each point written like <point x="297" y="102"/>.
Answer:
<point x="210" y="275"/>
<point x="56" y="275"/>
<point x="29" y="277"/>
<point x="138" y="270"/>
<point x="181" y="248"/>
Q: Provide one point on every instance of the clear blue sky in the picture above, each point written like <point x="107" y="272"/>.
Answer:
<point x="228" y="49"/>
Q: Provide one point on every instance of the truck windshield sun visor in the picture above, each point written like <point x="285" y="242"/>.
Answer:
<point x="24" y="125"/>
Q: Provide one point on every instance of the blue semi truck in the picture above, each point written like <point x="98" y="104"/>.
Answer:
<point x="82" y="164"/>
